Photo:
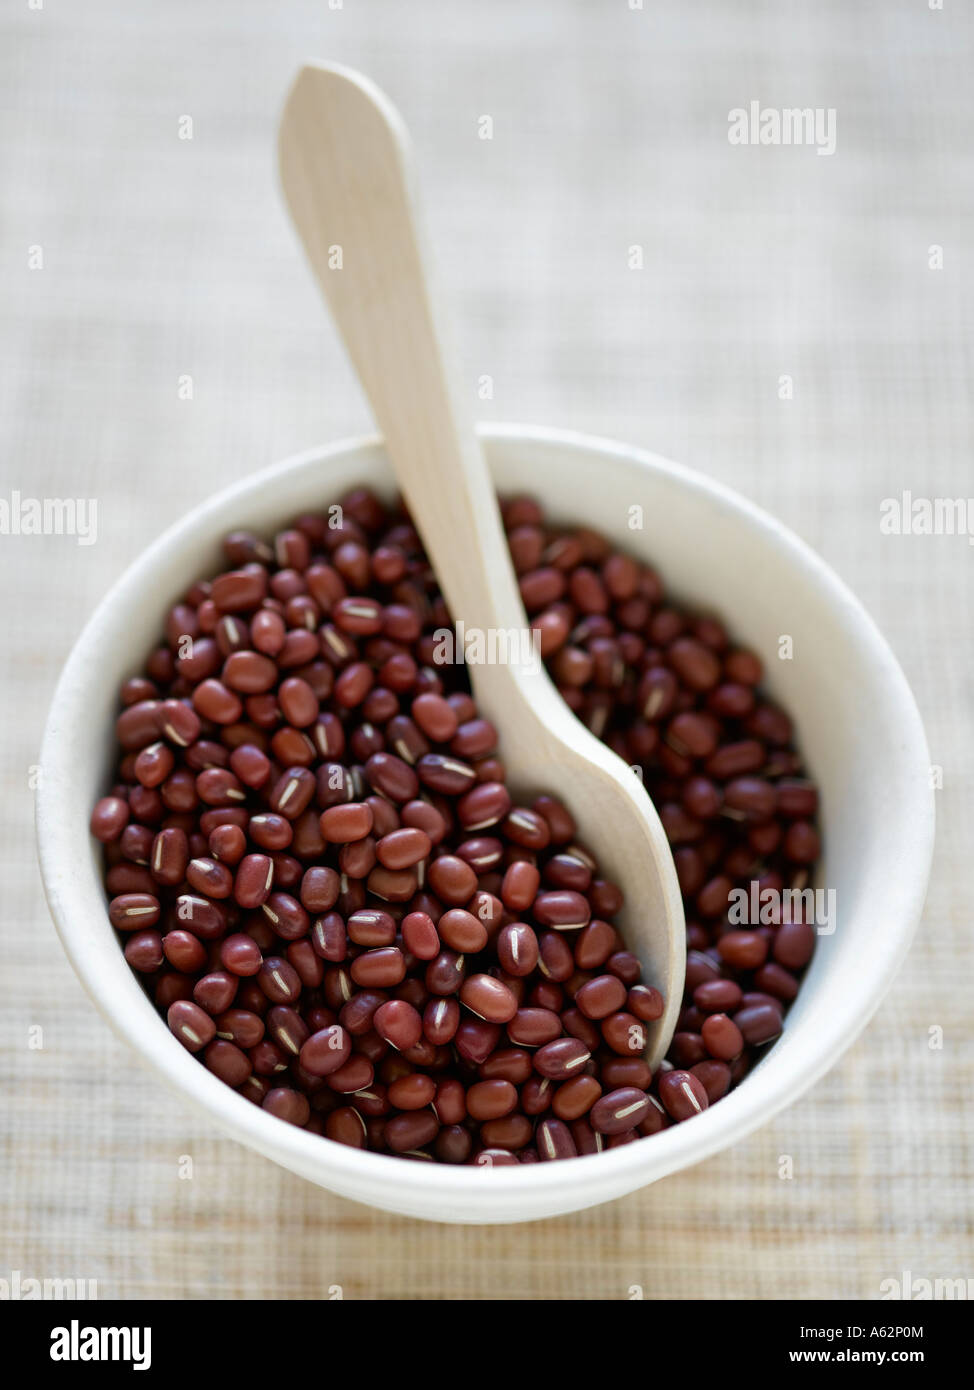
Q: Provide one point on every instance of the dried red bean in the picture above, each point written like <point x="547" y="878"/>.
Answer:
<point x="563" y="910"/>
<point x="794" y="944"/>
<point x="441" y="1019"/>
<point x="561" y="1060"/>
<point x="400" y="1025"/>
<point x="401" y="849"/>
<point x="143" y="951"/>
<point x="133" y="911"/>
<point x="625" y="1034"/>
<point x="646" y="1003"/>
<point x="240" y="954"/>
<point x="683" y="1094"/>
<point x="340" y="824"/>
<point x="603" y="995"/>
<point x="346" y="1126"/>
<point x="758" y="1023"/>
<point x="491" y="1100"/>
<point x="627" y="1071"/>
<point x="619" y="1111"/>
<point x="320" y="887"/>
<point x="411" y="1131"/>
<point x="517" y="949"/>
<point x="419" y="936"/>
<point x="210" y="878"/>
<point x="371" y="927"/>
<point x="325" y="1051"/>
<point x="379" y="969"/>
<point x="227" y="1061"/>
<point x="714" y="1076"/>
<point x="722" y="1037"/>
<point x="475" y="1039"/>
<point x="191" y="1025"/>
<point x="744" y="950"/>
<point x="286" y="915"/>
<point x="286" y="1029"/>
<point x="489" y="998"/>
<point x="278" y="980"/>
<point x="717" y="996"/>
<point x="556" y="961"/>
<point x="534" y="1027"/>
<point x="461" y="931"/>
<point x="575" y="1098"/>
<point x="686" y="1048"/>
<point x="554" y="1140"/>
<point x="240" y="1026"/>
<point x="527" y="828"/>
<point x="445" y="974"/>
<point x="452" y="880"/>
<point x="109" y="818"/>
<point x="774" y="979"/>
<point x="287" y="1104"/>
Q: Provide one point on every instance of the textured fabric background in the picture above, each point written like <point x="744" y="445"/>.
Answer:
<point x="165" y="257"/>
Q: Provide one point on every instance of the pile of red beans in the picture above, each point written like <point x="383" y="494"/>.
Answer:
<point x="316" y="867"/>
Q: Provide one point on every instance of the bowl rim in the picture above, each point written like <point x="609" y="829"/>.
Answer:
<point x="61" y="851"/>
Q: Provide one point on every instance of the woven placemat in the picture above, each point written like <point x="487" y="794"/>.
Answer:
<point x="168" y="339"/>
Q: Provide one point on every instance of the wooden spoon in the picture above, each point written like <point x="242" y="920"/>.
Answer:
<point x="347" y="173"/>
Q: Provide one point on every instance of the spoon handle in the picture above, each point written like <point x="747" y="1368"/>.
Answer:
<point x="347" y="172"/>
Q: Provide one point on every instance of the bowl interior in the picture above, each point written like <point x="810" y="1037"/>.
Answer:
<point x="858" y="730"/>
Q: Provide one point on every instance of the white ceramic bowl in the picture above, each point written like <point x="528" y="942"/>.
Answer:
<point x="858" y="728"/>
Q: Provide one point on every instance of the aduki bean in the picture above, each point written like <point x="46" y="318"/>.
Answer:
<point x="475" y="1039"/>
<point x="401" y="849"/>
<point x="341" y="824"/>
<point x="714" y="1076"/>
<point x="419" y="936"/>
<point x="744" y="950"/>
<point x="191" y="1025"/>
<point x="758" y="1023"/>
<point x="109" y="818"/>
<point x="625" y="1034"/>
<point x="554" y="1140"/>
<point x="379" y="969"/>
<point x="325" y="1051"/>
<point x="722" y="1037"/>
<point x="240" y="954"/>
<point x="619" y="1111"/>
<point x="575" y="1098"/>
<point x="600" y="997"/>
<point x="517" y="949"/>
<point x="413" y="1092"/>
<point x="683" y="1094"/>
<point x="520" y="886"/>
<point x="371" y="927"/>
<point x="507" y="1064"/>
<point x="564" y="910"/>
<point x="794" y="943"/>
<point x="534" y="1027"/>
<point x="489" y="998"/>
<point x="561" y="1060"/>
<point x="133" y="911"/>
<point x="461" y="931"/>
<point x="400" y="1025"/>
<point x="410" y="1130"/>
<point x="491" y="1100"/>
<point x="645" y="1002"/>
<point x="143" y="951"/>
<point x="441" y="1019"/>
